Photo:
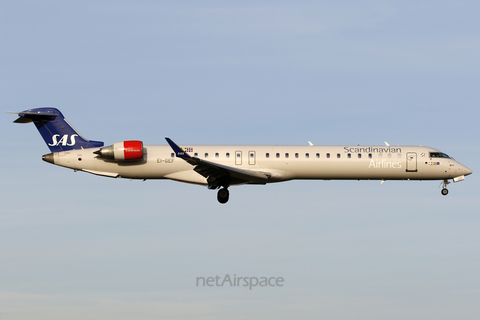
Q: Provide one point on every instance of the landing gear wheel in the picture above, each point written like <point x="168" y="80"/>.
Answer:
<point x="444" y="190"/>
<point x="223" y="195"/>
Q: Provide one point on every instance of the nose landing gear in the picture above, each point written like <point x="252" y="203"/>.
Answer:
<point x="445" y="190"/>
<point x="223" y="195"/>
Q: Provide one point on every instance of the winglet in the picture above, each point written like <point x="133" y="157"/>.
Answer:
<point x="178" y="151"/>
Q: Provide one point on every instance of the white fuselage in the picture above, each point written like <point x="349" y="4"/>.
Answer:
<point x="280" y="163"/>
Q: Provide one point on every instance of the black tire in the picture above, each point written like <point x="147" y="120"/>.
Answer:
<point x="223" y="195"/>
<point x="444" y="191"/>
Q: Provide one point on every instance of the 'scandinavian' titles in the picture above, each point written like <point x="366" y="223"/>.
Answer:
<point x="372" y="150"/>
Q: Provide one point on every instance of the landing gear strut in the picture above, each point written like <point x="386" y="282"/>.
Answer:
<point x="445" y="190"/>
<point x="223" y="195"/>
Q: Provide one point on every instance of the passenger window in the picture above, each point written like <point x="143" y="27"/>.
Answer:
<point x="389" y="155"/>
<point x="307" y="155"/>
<point x="216" y="155"/>
<point x="296" y="155"/>
<point x="318" y="155"/>
<point x="328" y="155"/>
<point x="278" y="155"/>
<point x="286" y="155"/>
<point x="380" y="155"/>
<point x="267" y="155"/>
<point x="359" y="156"/>
<point x="206" y="155"/>
<point x="172" y="155"/>
<point x="348" y="156"/>
<point x="238" y="155"/>
<point x="338" y="155"/>
<point x="228" y="155"/>
<point x="251" y="155"/>
<point x="196" y="154"/>
<point x="370" y="155"/>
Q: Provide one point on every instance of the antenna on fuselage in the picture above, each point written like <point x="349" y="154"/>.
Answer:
<point x="387" y="144"/>
<point x="311" y="144"/>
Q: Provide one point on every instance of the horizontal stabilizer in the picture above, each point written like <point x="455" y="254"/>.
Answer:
<point x="23" y="120"/>
<point x="27" y="117"/>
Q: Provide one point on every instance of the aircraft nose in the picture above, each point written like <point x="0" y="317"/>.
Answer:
<point x="467" y="171"/>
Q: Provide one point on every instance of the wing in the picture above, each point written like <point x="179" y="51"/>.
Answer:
<point x="219" y="174"/>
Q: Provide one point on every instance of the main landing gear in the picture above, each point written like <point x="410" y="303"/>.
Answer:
<point x="223" y="195"/>
<point x="222" y="182"/>
<point x="445" y="190"/>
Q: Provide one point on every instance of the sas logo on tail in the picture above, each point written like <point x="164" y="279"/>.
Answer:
<point x="63" y="141"/>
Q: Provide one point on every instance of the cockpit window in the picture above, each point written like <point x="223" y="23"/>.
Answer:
<point x="439" y="155"/>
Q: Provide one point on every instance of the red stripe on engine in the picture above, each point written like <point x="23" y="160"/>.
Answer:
<point x="133" y="149"/>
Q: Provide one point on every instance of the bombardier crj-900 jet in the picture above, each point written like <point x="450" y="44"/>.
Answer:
<point x="220" y="167"/>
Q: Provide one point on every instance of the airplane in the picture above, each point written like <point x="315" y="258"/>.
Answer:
<point x="219" y="167"/>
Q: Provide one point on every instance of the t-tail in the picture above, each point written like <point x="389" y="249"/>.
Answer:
<point x="58" y="134"/>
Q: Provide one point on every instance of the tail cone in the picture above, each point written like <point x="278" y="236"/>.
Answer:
<point x="48" y="158"/>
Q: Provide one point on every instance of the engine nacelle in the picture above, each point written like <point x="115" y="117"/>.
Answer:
<point x="122" y="151"/>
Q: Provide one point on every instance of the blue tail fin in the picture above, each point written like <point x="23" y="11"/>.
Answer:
<point x="58" y="134"/>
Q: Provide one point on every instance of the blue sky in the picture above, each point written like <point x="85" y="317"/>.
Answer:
<point x="273" y="72"/>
